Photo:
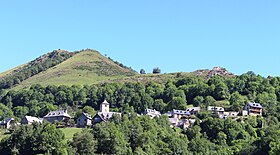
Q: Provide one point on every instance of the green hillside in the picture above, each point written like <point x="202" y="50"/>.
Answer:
<point x="17" y="75"/>
<point x="84" y="67"/>
<point x="88" y="66"/>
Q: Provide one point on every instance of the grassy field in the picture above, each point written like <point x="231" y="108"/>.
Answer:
<point x="69" y="132"/>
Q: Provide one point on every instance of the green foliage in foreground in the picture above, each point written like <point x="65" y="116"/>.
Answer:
<point x="142" y="135"/>
<point x="34" y="139"/>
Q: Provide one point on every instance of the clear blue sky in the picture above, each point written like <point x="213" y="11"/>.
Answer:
<point x="181" y="35"/>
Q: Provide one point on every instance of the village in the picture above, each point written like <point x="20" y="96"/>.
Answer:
<point x="177" y="118"/>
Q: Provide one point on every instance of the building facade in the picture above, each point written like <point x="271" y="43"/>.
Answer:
<point x="84" y="120"/>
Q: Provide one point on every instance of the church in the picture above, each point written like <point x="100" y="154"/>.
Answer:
<point x="104" y="113"/>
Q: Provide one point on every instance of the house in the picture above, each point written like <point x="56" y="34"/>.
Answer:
<point x="194" y="110"/>
<point x="218" y="110"/>
<point x="7" y="123"/>
<point x="104" y="113"/>
<point x="180" y="114"/>
<point x="57" y="116"/>
<point x="30" y="120"/>
<point x="179" y="118"/>
<point x="84" y="120"/>
<point x="152" y="113"/>
<point x="254" y="109"/>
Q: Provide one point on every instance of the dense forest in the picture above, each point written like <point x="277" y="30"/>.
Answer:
<point x="141" y="135"/>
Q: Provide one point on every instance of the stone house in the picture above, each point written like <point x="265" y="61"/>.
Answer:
<point x="84" y="120"/>
<point x="254" y="109"/>
<point x="57" y="116"/>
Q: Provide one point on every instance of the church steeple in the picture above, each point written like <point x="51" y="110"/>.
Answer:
<point x="104" y="106"/>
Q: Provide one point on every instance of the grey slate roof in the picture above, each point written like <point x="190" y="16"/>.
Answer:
<point x="33" y="119"/>
<point x="194" y="109"/>
<point x="181" y="112"/>
<point x="7" y="120"/>
<point x="57" y="113"/>
<point x="213" y="108"/>
<point x="87" y="116"/>
<point x="255" y="105"/>
<point x="105" y="102"/>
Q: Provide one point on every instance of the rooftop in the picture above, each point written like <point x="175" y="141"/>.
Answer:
<point x="255" y="105"/>
<point x="58" y="113"/>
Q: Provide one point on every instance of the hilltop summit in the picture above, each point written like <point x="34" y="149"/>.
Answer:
<point x="215" y="71"/>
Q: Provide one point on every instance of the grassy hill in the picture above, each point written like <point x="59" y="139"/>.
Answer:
<point x="84" y="67"/>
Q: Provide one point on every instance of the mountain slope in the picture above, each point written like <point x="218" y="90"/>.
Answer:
<point x="84" y="67"/>
<point x="23" y="72"/>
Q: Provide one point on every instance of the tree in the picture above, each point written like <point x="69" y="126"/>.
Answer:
<point x="209" y="100"/>
<point x="5" y="112"/>
<point x="197" y="101"/>
<point x="35" y="139"/>
<point x="221" y="91"/>
<point x="142" y="71"/>
<point x="156" y="71"/>
<point x="84" y="143"/>
<point x="89" y="110"/>
<point x="177" y="103"/>
<point x="236" y="101"/>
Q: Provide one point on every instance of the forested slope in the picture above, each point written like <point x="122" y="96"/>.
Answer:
<point x="142" y="135"/>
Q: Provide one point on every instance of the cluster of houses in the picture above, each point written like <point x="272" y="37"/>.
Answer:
<point x="178" y="118"/>
<point x="182" y="119"/>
